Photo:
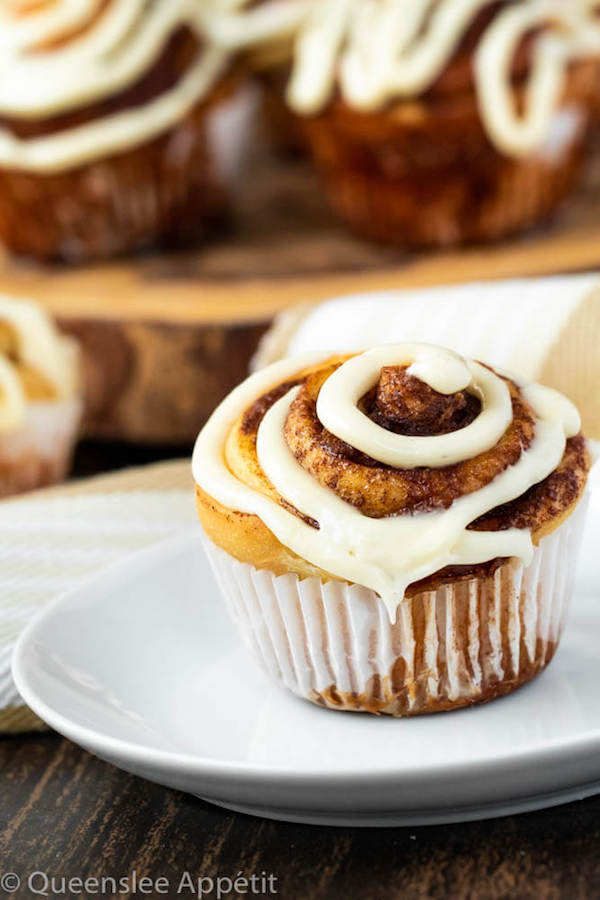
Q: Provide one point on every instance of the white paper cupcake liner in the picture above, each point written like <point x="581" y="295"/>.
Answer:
<point x="39" y="452"/>
<point x="466" y="642"/>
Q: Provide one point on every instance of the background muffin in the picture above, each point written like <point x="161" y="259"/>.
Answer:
<point x="394" y="531"/>
<point x="108" y="141"/>
<point x="440" y="123"/>
<point x="40" y="398"/>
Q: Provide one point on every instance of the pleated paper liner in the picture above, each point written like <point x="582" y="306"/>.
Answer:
<point x="39" y="452"/>
<point x="466" y="642"/>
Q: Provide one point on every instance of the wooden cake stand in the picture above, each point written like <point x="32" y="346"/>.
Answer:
<point x="166" y="337"/>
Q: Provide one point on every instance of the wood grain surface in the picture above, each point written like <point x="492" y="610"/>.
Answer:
<point x="166" y="337"/>
<point x="157" y="382"/>
<point x="67" y="813"/>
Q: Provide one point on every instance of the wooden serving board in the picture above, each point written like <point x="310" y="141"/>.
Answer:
<point x="165" y="337"/>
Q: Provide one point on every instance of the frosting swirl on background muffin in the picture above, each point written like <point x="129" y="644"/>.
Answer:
<point x="381" y="468"/>
<point x="57" y="56"/>
<point x="377" y="51"/>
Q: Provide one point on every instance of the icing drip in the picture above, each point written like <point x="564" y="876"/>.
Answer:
<point x="42" y="348"/>
<point x="42" y="73"/>
<point x="385" y="554"/>
<point x="380" y="50"/>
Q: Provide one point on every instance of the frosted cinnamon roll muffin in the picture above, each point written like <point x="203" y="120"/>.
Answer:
<point x="394" y="531"/>
<point x="434" y="122"/>
<point x="40" y="398"/>
<point x="108" y="126"/>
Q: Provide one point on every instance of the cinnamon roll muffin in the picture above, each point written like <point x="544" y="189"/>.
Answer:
<point x="394" y="531"/>
<point x="40" y="398"/>
<point x="435" y="122"/>
<point x="108" y="126"/>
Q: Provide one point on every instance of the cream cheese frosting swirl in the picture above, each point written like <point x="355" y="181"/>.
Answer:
<point x="388" y="552"/>
<point x="377" y="51"/>
<point x="35" y="345"/>
<point x="61" y="55"/>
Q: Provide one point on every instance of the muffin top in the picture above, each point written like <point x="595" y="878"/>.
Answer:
<point x="371" y="53"/>
<point x="81" y="80"/>
<point x="388" y="467"/>
<point x="37" y="363"/>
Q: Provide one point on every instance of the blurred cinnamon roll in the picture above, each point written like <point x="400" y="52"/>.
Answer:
<point x="107" y="126"/>
<point x="40" y="398"/>
<point x="433" y="122"/>
<point x="394" y="531"/>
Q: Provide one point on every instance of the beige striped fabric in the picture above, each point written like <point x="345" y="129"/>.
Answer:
<point x="52" y="539"/>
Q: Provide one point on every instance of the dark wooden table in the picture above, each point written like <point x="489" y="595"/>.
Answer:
<point x="67" y="814"/>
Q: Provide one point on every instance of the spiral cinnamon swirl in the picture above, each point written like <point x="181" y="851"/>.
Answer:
<point x="105" y="125"/>
<point x="405" y="480"/>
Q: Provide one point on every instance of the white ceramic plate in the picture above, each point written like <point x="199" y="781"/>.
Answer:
<point x="142" y="667"/>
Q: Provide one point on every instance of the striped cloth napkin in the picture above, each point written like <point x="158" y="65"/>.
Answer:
<point x="53" y="539"/>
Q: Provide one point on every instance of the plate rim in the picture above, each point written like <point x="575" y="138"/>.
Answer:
<point x="194" y="764"/>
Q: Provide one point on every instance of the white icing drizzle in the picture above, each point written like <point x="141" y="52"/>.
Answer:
<point x="385" y="554"/>
<point x="338" y="411"/>
<point x="232" y="28"/>
<point x="112" y="54"/>
<point x="41" y="347"/>
<point x="379" y="50"/>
